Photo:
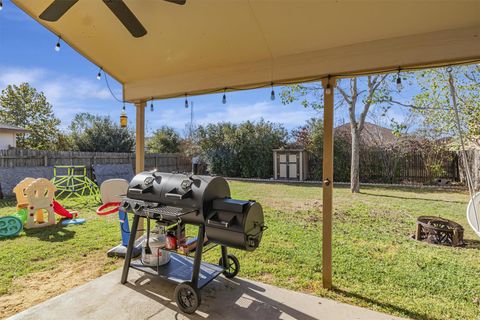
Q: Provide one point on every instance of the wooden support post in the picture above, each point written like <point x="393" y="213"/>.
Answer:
<point x="140" y="137"/>
<point x="327" y="187"/>
<point x="140" y="149"/>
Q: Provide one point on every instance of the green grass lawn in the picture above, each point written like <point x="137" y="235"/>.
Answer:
<point x="376" y="264"/>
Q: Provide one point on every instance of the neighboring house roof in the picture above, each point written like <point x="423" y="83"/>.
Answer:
<point x="7" y="127"/>
<point x="372" y="134"/>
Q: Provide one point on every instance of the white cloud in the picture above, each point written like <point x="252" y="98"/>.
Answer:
<point x="290" y="116"/>
<point x="19" y="75"/>
<point x="68" y="95"/>
<point x="236" y="113"/>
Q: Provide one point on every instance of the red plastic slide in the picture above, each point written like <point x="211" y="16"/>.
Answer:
<point x="58" y="209"/>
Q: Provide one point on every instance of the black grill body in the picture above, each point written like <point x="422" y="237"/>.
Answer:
<point x="198" y="200"/>
<point x="189" y="192"/>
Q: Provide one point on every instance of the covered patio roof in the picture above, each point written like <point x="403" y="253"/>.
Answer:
<point x="208" y="45"/>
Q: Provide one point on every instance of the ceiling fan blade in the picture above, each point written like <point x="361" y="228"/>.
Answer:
<point x="57" y="9"/>
<point x="126" y="17"/>
<point x="180" y="2"/>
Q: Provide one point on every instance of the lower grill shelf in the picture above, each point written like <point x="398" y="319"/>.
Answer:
<point x="180" y="269"/>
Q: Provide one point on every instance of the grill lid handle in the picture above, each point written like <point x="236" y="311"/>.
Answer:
<point x="216" y="221"/>
<point x="137" y="190"/>
<point x="174" y="195"/>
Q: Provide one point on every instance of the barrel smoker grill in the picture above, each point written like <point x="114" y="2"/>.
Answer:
<point x="179" y="199"/>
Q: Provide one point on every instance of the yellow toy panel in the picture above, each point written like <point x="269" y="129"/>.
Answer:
<point x="19" y="191"/>
<point x="40" y="193"/>
<point x="36" y="195"/>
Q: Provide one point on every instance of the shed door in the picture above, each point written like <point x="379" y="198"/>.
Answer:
<point x="292" y="166"/>
<point x="283" y="166"/>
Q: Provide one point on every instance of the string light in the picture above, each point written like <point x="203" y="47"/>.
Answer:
<point x="272" y="94"/>
<point x="224" y="99"/>
<point x="99" y="74"/>
<point x="57" y="46"/>
<point x="328" y="89"/>
<point x="151" y="106"/>
<point x="399" y="81"/>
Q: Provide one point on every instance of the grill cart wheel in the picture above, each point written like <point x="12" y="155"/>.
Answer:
<point x="187" y="297"/>
<point x="232" y="268"/>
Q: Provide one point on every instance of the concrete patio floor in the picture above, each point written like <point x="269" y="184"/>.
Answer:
<point x="145" y="297"/>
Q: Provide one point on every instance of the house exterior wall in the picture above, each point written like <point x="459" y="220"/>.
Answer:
<point x="7" y="139"/>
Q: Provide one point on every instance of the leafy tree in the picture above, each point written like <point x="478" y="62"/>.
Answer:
<point x="25" y="107"/>
<point x="64" y="142"/>
<point x="165" y="140"/>
<point x="434" y="102"/>
<point x="243" y="150"/>
<point x="359" y="94"/>
<point x="95" y="133"/>
<point x="310" y="137"/>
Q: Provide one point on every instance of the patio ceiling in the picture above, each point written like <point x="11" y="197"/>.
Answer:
<point x="208" y="45"/>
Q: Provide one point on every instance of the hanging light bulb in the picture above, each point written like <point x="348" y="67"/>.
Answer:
<point x="186" y="101"/>
<point x="99" y="74"/>
<point x="1" y="5"/>
<point x="123" y="117"/>
<point x="272" y="94"/>
<point x="224" y="98"/>
<point x="328" y="89"/>
<point x="399" y="82"/>
<point x="151" y="106"/>
<point x="57" y="46"/>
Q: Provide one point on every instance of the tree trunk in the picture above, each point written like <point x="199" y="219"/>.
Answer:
<point x="355" y="165"/>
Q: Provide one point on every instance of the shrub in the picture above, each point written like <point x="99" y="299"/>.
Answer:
<point x="243" y="150"/>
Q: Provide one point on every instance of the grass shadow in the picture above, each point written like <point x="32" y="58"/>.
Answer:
<point x="384" y="305"/>
<point x="471" y="244"/>
<point x="346" y="185"/>
<point x="55" y="233"/>
<point x="409" y="198"/>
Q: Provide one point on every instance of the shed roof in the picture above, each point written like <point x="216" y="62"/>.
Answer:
<point x="7" y="127"/>
<point x="208" y="45"/>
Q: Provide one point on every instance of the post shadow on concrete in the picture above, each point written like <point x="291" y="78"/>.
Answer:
<point x="239" y="299"/>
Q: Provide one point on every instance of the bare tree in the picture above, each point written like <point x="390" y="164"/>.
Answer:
<point x="359" y="95"/>
<point x="364" y="99"/>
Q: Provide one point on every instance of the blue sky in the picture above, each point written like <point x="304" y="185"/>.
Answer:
<point x="69" y="82"/>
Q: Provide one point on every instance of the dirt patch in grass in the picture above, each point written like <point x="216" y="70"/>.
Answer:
<point x="293" y="204"/>
<point x="33" y="289"/>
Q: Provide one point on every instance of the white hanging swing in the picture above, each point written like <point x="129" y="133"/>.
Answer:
<point x="472" y="213"/>
<point x="473" y="216"/>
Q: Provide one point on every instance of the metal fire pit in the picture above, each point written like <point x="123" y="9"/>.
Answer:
<point x="441" y="231"/>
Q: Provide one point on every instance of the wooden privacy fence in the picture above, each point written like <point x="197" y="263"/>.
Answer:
<point x="167" y="162"/>
<point x="383" y="166"/>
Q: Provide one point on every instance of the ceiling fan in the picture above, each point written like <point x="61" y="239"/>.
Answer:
<point x="59" y="7"/>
